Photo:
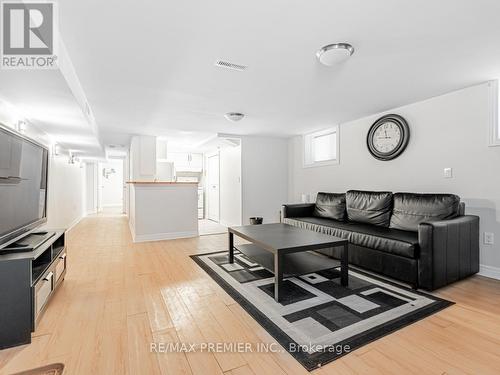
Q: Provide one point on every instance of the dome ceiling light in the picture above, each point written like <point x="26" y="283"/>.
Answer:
<point x="334" y="54"/>
<point x="234" y="116"/>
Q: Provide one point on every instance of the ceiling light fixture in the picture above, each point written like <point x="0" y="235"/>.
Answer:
<point x="333" y="54"/>
<point x="234" y="116"/>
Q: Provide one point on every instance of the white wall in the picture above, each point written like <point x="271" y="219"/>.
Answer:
<point x="91" y="188"/>
<point x="446" y="131"/>
<point x="230" y="186"/>
<point x="264" y="177"/>
<point x="66" y="193"/>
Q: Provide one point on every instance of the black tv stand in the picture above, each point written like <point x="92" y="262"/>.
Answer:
<point x="27" y="243"/>
<point x="28" y="282"/>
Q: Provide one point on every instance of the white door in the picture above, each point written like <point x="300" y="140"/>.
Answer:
<point x="213" y="187"/>
<point x="111" y="186"/>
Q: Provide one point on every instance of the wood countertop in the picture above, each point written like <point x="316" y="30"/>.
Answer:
<point x="161" y="183"/>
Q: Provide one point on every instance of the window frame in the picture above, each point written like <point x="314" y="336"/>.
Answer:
<point x="308" y="151"/>
<point x="493" y="109"/>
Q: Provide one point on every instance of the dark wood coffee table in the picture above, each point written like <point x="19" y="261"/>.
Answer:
<point x="284" y="250"/>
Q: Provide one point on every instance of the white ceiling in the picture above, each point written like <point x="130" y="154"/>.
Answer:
<point x="147" y="67"/>
<point x="45" y="99"/>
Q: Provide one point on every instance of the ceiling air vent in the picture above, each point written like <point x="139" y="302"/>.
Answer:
<point x="230" y="65"/>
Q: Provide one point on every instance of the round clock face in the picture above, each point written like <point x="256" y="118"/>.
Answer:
<point x="388" y="137"/>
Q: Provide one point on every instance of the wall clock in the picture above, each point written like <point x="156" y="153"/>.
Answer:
<point x="388" y="137"/>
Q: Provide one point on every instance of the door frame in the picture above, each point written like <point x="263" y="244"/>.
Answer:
<point x="207" y="185"/>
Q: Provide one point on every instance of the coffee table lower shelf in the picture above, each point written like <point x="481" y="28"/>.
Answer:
<point x="294" y="264"/>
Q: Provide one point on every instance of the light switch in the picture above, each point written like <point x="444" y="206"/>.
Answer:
<point x="448" y="173"/>
<point x="489" y="238"/>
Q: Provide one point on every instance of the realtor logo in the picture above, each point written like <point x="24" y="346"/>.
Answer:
<point x="28" y="35"/>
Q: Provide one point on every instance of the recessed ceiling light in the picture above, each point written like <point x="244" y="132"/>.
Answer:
<point x="336" y="53"/>
<point x="234" y="116"/>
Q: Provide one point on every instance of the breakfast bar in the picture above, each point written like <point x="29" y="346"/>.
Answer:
<point x="163" y="210"/>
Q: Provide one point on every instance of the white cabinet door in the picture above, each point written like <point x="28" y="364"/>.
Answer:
<point x="197" y="162"/>
<point x="179" y="159"/>
<point x="186" y="161"/>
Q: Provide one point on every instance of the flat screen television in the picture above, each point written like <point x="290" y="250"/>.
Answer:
<point x="23" y="185"/>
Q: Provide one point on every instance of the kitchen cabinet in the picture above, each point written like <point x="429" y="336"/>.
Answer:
<point x="186" y="161"/>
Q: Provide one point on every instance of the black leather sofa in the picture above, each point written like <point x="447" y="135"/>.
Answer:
<point x="425" y="240"/>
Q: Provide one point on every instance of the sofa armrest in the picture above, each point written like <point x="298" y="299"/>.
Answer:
<point x="298" y="210"/>
<point x="449" y="251"/>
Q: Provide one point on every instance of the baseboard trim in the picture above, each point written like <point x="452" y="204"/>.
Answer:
<point x="74" y="223"/>
<point x="132" y="230"/>
<point x="162" y="236"/>
<point x="226" y="224"/>
<point x="489" y="271"/>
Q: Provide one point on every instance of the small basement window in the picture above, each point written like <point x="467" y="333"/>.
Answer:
<point x="321" y="147"/>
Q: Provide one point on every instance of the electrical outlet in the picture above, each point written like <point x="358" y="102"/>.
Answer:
<point x="448" y="173"/>
<point x="489" y="238"/>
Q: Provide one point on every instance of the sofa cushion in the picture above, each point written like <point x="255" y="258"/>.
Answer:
<point x="330" y="206"/>
<point x="387" y="240"/>
<point x="412" y="209"/>
<point x="369" y="207"/>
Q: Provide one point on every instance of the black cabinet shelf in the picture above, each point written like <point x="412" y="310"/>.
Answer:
<point x="38" y="271"/>
<point x="56" y="251"/>
<point x="29" y="281"/>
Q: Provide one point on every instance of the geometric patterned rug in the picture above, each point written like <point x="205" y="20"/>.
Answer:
<point x="319" y="320"/>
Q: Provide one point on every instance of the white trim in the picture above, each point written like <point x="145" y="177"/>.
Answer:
<point x="227" y="225"/>
<point x="493" y="118"/>
<point x="132" y="229"/>
<point x="306" y="147"/>
<point x="74" y="223"/>
<point x="91" y="212"/>
<point x="161" y="236"/>
<point x="489" y="271"/>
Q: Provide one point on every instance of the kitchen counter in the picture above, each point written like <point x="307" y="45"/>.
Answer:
<point x="163" y="210"/>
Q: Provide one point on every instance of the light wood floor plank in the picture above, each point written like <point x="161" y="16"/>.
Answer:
<point x="119" y="297"/>
<point x="171" y="362"/>
<point x="140" y="359"/>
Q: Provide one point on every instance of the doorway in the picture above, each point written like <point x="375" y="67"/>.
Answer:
<point x="110" y="191"/>
<point x="213" y="194"/>
<point x="222" y="186"/>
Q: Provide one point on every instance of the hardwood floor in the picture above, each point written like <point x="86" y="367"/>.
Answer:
<point x="119" y="297"/>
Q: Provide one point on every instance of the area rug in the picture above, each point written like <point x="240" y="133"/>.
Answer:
<point x="319" y="320"/>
